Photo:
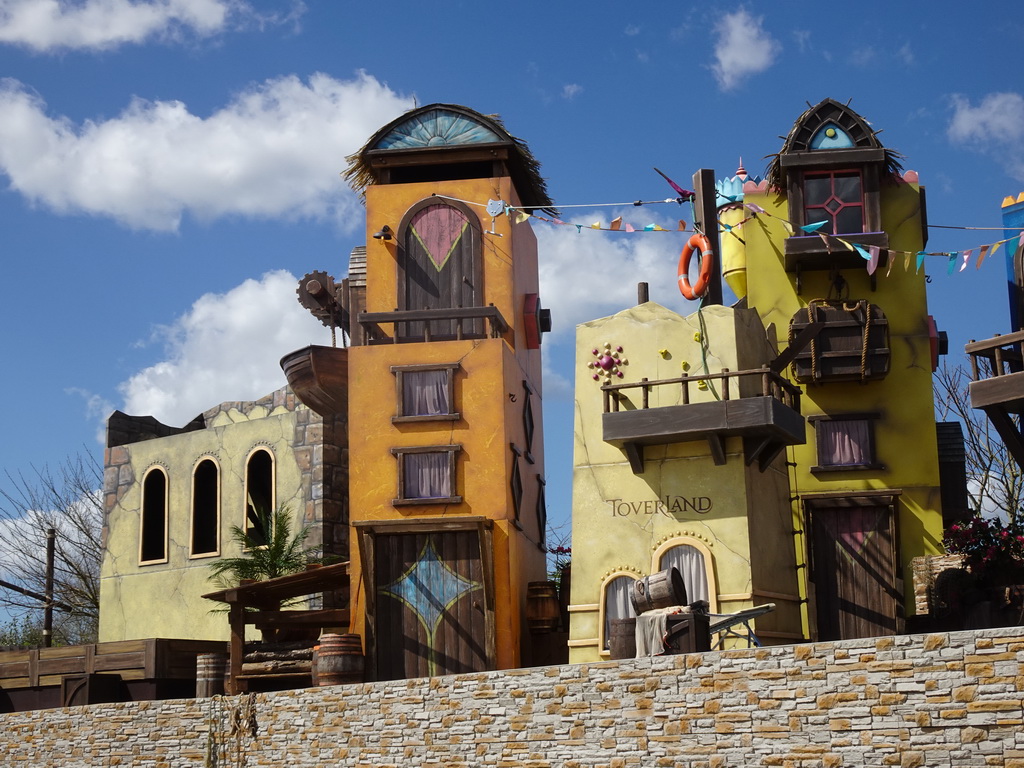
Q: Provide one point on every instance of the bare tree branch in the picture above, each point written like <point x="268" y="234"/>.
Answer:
<point x="69" y="500"/>
<point x="995" y="481"/>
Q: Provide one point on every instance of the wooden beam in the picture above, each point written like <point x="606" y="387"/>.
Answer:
<point x="635" y="454"/>
<point x="236" y="620"/>
<point x="805" y="337"/>
<point x="717" y="447"/>
<point x="705" y="214"/>
<point x="1007" y="430"/>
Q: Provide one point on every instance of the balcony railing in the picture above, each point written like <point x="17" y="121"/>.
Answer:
<point x="997" y="366"/>
<point x="998" y="356"/>
<point x="424" y="325"/>
<point x="766" y="415"/>
<point x="772" y="385"/>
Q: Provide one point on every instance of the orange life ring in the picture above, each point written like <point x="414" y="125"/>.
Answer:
<point x="696" y="241"/>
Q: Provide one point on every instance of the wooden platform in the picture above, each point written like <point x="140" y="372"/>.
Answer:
<point x="150" y="668"/>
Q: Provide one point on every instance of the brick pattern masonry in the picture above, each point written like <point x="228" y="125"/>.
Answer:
<point x="932" y="700"/>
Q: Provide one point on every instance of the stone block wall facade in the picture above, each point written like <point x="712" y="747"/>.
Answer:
<point x="929" y="700"/>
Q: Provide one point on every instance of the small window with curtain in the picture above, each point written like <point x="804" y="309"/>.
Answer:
<point x="425" y="392"/>
<point x="845" y="442"/>
<point x="426" y="475"/>
<point x="617" y="605"/>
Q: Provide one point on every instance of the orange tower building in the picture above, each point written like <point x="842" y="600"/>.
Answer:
<point x="446" y="486"/>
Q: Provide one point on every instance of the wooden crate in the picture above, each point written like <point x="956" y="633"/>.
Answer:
<point x="852" y="346"/>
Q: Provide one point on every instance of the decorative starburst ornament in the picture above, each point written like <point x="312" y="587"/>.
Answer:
<point x="608" y="364"/>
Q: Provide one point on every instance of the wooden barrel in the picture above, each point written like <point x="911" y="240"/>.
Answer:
<point x="622" y="638"/>
<point x="542" y="608"/>
<point x="659" y="590"/>
<point x="339" y="659"/>
<point x="211" y="671"/>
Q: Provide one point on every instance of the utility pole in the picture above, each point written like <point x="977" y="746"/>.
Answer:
<point x="51" y="539"/>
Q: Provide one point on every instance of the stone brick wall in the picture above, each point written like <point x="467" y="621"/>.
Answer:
<point x="931" y="700"/>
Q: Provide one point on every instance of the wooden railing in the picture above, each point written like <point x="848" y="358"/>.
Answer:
<point x="997" y="356"/>
<point x="429" y="319"/>
<point x="772" y="385"/>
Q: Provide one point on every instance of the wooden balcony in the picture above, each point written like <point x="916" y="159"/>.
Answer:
<point x="425" y="325"/>
<point x="767" y="421"/>
<point x="997" y="369"/>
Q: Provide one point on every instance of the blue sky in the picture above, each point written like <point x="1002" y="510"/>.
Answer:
<point x="169" y="168"/>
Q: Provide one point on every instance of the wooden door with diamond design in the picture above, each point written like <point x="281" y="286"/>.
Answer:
<point x="439" y="266"/>
<point x="431" y="617"/>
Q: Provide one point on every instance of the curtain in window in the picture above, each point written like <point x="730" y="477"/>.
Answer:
<point x="843" y="442"/>
<point x="617" y="604"/>
<point x="426" y="476"/>
<point x="425" y="393"/>
<point x="690" y="562"/>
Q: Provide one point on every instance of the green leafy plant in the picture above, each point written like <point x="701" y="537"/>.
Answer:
<point x="269" y="550"/>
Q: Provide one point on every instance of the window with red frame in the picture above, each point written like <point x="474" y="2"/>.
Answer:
<point x="836" y="197"/>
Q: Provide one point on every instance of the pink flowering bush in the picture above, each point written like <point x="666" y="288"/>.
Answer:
<point x="993" y="551"/>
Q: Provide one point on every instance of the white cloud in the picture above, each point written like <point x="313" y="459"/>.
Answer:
<point x="226" y="347"/>
<point x="571" y="91"/>
<point x="589" y="274"/>
<point x="743" y="48"/>
<point x="995" y="126"/>
<point x="50" y="25"/>
<point x="274" y="151"/>
<point x="97" y="410"/>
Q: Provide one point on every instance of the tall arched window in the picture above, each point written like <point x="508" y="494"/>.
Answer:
<point x="693" y="560"/>
<point x="615" y="604"/>
<point x="205" y="509"/>
<point x="153" y="533"/>
<point x="259" y="495"/>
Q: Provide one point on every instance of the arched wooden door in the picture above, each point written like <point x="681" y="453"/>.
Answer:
<point x="439" y="265"/>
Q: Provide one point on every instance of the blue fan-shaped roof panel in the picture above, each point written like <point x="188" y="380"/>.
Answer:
<point x="436" y="128"/>
<point x="831" y="136"/>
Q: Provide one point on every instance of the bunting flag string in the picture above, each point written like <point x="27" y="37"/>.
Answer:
<point x="871" y="254"/>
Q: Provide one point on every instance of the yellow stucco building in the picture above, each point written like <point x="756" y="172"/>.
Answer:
<point x="824" y="251"/>
<point x="172" y="495"/>
<point x="447" y="483"/>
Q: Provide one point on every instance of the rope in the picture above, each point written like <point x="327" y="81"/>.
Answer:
<point x="864" y="346"/>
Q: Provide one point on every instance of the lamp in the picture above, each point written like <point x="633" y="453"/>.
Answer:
<point x="384" y="234"/>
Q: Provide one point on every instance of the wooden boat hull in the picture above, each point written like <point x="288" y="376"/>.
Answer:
<point x="319" y="378"/>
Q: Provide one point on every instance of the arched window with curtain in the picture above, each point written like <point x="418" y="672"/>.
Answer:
<point x="615" y="604"/>
<point x="205" y="508"/>
<point x="153" y="533"/>
<point x="259" y="495"/>
<point x="693" y="567"/>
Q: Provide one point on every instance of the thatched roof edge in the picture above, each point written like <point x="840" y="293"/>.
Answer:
<point x="527" y="177"/>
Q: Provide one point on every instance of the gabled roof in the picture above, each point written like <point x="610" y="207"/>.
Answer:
<point x="432" y="129"/>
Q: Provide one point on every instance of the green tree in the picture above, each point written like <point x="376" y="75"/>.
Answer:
<point x="269" y="549"/>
